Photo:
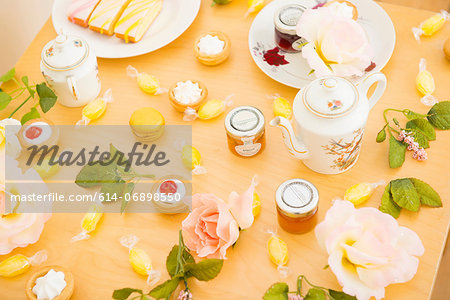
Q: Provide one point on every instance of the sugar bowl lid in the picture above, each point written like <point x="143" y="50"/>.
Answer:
<point x="330" y="97"/>
<point x="64" y="52"/>
<point x="297" y="198"/>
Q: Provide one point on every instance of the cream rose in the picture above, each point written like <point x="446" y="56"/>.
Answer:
<point x="337" y="44"/>
<point x="8" y="138"/>
<point x="367" y="249"/>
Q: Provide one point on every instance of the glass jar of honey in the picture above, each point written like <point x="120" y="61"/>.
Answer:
<point x="285" y="21"/>
<point x="297" y="202"/>
<point x="245" y="127"/>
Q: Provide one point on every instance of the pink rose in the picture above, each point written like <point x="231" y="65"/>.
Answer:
<point x="210" y="229"/>
<point x="337" y="44"/>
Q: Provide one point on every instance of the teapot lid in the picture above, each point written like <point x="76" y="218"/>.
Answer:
<point x="330" y="97"/>
<point x="64" y="52"/>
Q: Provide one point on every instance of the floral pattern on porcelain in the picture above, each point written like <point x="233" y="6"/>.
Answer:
<point x="346" y="152"/>
<point x="334" y="105"/>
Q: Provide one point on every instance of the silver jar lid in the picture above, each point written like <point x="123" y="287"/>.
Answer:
<point x="297" y="198"/>
<point x="286" y="18"/>
<point x="244" y="121"/>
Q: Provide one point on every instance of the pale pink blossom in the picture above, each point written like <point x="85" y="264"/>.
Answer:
<point x="185" y="295"/>
<point x="294" y="297"/>
<point x="420" y="154"/>
<point x="337" y="44"/>
<point x="402" y="135"/>
<point x="367" y="249"/>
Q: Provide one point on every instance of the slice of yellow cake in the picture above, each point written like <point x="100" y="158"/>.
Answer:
<point x="136" y="19"/>
<point x="80" y="11"/>
<point x="106" y="14"/>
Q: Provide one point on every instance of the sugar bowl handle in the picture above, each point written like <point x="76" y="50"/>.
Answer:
<point x="71" y="83"/>
<point x="367" y="82"/>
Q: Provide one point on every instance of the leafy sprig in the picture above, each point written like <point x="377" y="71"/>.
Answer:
<point x="181" y="266"/>
<point x="114" y="179"/>
<point x="410" y="194"/>
<point x="420" y="126"/>
<point x="46" y="101"/>
<point x="280" y="291"/>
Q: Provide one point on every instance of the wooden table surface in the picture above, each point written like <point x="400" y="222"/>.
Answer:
<point x="100" y="264"/>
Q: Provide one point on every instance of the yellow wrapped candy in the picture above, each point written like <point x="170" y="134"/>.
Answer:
<point x="281" y="107"/>
<point x="95" y="109"/>
<point x="209" y="110"/>
<point x="431" y="25"/>
<point x="278" y="253"/>
<point x="89" y="222"/>
<point x="139" y="259"/>
<point x="19" y="264"/>
<point x="361" y="192"/>
<point x="254" y="6"/>
<point x="192" y="159"/>
<point x="146" y="82"/>
<point x="425" y="84"/>
<point x="256" y="205"/>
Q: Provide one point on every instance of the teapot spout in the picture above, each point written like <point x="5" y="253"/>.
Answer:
<point x="295" y="147"/>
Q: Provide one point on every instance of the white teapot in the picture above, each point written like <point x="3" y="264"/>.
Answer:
<point x="330" y="115"/>
<point x="70" y="68"/>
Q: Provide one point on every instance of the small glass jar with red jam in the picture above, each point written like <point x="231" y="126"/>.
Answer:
<point x="245" y="127"/>
<point x="285" y="20"/>
<point x="297" y="202"/>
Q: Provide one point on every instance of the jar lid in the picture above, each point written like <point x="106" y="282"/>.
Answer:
<point x="286" y="18"/>
<point x="297" y="198"/>
<point x="64" y="52"/>
<point x="330" y="97"/>
<point x="244" y="121"/>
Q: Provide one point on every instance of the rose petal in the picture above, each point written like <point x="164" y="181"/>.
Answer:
<point x="241" y="206"/>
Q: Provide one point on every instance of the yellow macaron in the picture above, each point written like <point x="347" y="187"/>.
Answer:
<point x="147" y="124"/>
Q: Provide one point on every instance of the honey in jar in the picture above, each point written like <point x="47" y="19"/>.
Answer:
<point x="245" y="128"/>
<point x="297" y="202"/>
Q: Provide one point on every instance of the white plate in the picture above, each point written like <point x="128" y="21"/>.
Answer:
<point x="175" y="17"/>
<point x="372" y="17"/>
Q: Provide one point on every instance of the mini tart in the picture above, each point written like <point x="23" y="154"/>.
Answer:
<point x="51" y="141"/>
<point x="147" y="124"/>
<point x="168" y="208"/>
<point x="195" y="105"/>
<point x="66" y="293"/>
<point x="212" y="60"/>
<point x="355" y="10"/>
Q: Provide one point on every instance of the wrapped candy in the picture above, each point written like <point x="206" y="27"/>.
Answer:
<point x="431" y="25"/>
<point x="148" y="83"/>
<point x="254" y="6"/>
<point x="256" y="206"/>
<point x="209" y="110"/>
<point x="425" y="84"/>
<point x="281" y="106"/>
<point x="95" y="109"/>
<point x="361" y="192"/>
<point x="89" y="222"/>
<point x="19" y="264"/>
<point x="139" y="259"/>
<point x="278" y="253"/>
<point x="191" y="159"/>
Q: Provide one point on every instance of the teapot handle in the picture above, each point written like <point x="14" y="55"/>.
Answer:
<point x="367" y="82"/>
<point x="71" y="83"/>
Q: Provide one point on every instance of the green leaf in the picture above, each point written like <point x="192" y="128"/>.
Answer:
<point x="412" y="115"/>
<point x="165" y="289"/>
<point x="420" y="138"/>
<point x="128" y="190"/>
<point x="172" y="259"/>
<point x="32" y="114"/>
<point x="8" y="75"/>
<point x="337" y="295"/>
<point x="405" y="194"/>
<point x="46" y="97"/>
<point x="397" y="152"/>
<point x="299" y="285"/>
<point x="381" y="136"/>
<point x="388" y="205"/>
<point x="315" y="294"/>
<point x="206" y="269"/>
<point x="428" y="196"/>
<point x="123" y="294"/>
<point x="439" y="115"/>
<point x="30" y="90"/>
<point x="423" y="126"/>
<point x="5" y="99"/>
<point x="91" y="175"/>
<point x="278" y="291"/>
